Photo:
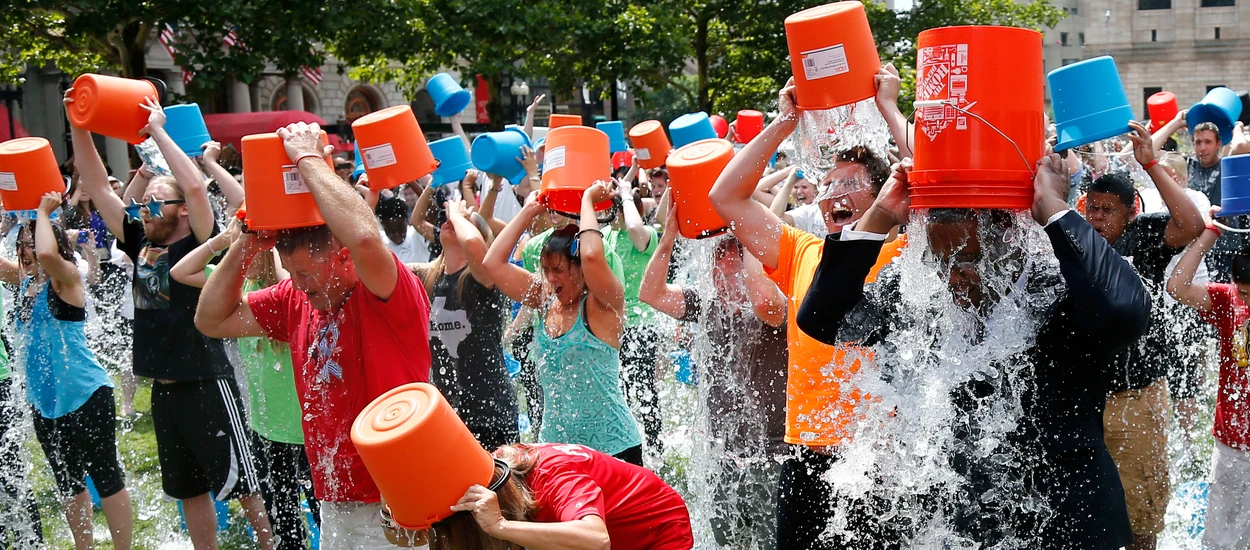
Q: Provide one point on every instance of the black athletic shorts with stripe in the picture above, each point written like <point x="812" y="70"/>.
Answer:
<point x="202" y="440"/>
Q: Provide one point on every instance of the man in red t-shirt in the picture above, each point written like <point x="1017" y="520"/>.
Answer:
<point x="1224" y="306"/>
<point x="357" y="322"/>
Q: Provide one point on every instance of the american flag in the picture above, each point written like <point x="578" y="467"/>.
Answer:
<point x="167" y="36"/>
<point x="231" y="38"/>
<point x="313" y="74"/>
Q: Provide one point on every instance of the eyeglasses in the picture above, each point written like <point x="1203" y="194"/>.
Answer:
<point x="154" y="207"/>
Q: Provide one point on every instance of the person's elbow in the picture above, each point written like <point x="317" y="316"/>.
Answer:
<point x="47" y="256"/>
<point x="207" y="325"/>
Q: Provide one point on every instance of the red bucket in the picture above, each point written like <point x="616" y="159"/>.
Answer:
<point x="1163" y="108"/>
<point x="748" y="125"/>
<point x="971" y="81"/>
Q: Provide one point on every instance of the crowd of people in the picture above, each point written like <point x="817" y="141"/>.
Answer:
<point x="451" y="284"/>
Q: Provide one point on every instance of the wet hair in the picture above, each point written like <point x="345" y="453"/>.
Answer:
<point x="1208" y="127"/>
<point x="517" y="502"/>
<point x="1241" y="267"/>
<point x="393" y="208"/>
<point x="561" y="243"/>
<point x="170" y="181"/>
<point x="1177" y="163"/>
<point x="727" y="246"/>
<point x="314" y="238"/>
<point x="1116" y="184"/>
<point x="878" y="169"/>
<point x="63" y="246"/>
<point x="999" y="221"/>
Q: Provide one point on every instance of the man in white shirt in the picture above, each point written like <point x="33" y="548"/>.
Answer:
<point x="400" y="237"/>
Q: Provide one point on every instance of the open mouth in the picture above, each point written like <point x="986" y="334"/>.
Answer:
<point x="841" y="216"/>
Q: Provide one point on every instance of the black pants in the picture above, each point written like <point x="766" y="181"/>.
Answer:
<point x="284" y="472"/>
<point x="19" y="515"/>
<point x="528" y="378"/>
<point x="632" y="455"/>
<point x="638" y="348"/>
<point x="83" y="443"/>
<point x="805" y="506"/>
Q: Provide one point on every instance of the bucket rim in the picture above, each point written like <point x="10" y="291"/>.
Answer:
<point x="1100" y="135"/>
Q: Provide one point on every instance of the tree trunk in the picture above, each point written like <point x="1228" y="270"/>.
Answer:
<point x="494" y="108"/>
<point x="134" y="49"/>
<point x="700" y="56"/>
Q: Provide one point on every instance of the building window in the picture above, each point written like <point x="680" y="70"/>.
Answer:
<point x="1154" y="4"/>
<point x="1146" y="93"/>
<point x="1218" y="3"/>
<point x="1063" y="38"/>
<point x="1076" y="11"/>
<point x="360" y="102"/>
<point x="1154" y="35"/>
<point x="1080" y="37"/>
<point x="1209" y="88"/>
<point x="1217" y="33"/>
<point x="1070" y="61"/>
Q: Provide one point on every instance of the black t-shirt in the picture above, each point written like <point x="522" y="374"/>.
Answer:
<point x="167" y="344"/>
<point x="1204" y="179"/>
<point x="466" y="343"/>
<point x="1148" y="360"/>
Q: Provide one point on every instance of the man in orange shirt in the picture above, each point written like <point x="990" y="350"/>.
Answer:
<point x="820" y="406"/>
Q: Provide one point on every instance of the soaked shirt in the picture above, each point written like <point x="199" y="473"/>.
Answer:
<point x="1142" y="245"/>
<point x="1230" y="317"/>
<point x="1205" y="180"/>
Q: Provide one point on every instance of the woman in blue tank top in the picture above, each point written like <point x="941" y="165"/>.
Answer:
<point x="71" y="394"/>
<point x="577" y="332"/>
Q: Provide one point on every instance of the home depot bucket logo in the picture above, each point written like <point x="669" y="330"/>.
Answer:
<point x="943" y="76"/>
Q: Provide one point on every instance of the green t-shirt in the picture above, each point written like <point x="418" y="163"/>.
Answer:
<point x="270" y="384"/>
<point x="633" y="263"/>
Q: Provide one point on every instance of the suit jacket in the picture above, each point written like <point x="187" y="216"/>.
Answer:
<point x="1102" y="308"/>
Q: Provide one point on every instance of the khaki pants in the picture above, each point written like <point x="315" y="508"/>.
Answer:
<point x="1135" y="431"/>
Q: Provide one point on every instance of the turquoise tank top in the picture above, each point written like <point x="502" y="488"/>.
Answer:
<point x="61" y="371"/>
<point x="581" y="378"/>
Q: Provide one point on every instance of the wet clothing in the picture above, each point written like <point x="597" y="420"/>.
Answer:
<point x="167" y="346"/>
<point x="633" y="263"/>
<point x="1232" y="410"/>
<point x="1147" y="361"/>
<point x="343" y="360"/>
<point x="61" y="372"/>
<point x="284" y="473"/>
<point x="1102" y="309"/>
<point x="20" y="524"/>
<point x="201" y="440"/>
<point x="806" y="507"/>
<point x="641" y="512"/>
<point x="1204" y="179"/>
<point x="83" y="443"/>
<point x="466" y="341"/>
<point x="1136" y="424"/>
<point x="580" y="375"/>
<point x="1227" y="524"/>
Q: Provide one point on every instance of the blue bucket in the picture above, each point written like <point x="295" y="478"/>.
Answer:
<point x="1222" y="107"/>
<point x="1089" y="101"/>
<point x="453" y="160"/>
<point x="1235" y="185"/>
<point x="223" y="515"/>
<point x="616" y="135"/>
<point x="449" y="98"/>
<point x="689" y="128"/>
<point x="686" y="372"/>
<point x="185" y="124"/>
<point x="497" y="153"/>
<point x="514" y="366"/>
<point x="95" y="495"/>
<point x="314" y="532"/>
<point x="360" y="163"/>
<point x="1190" y="499"/>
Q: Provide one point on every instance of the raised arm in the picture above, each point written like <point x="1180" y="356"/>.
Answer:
<point x="639" y="233"/>
<point x="471" y="241"/>
<point x="1181" y="283"/>
<point x="188" y="176"/>
<point x="529" y="116"/>
<point x="223" y="311"/>
<point x="754" y="224"/>
<point x="61" y="270"/>
<point x="655" y="290"/>
<point x="138" y="185"/>
<point x="514" y="281"/>
<point x="888" y="86"/>
<point x="190" y="269"/>
<point x="10" y="272"/>
<point x="95" y="179"/>
<point x="1186" y="223"/>
<point x="604" y="287"/>
<point x="1161" y="137"/>
<point x="457" y="129"/>
<point x="782" y="199"/>
<point x="420" y="214"/>
<point x="349" y="218"/>
<point x="587" y="533"/>
<point x="230" y="187"/>
<point x="489" y="197"/>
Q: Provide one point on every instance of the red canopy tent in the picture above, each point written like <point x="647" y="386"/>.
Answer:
<point x="230" y="128"/>
<point x="18" y="130"/>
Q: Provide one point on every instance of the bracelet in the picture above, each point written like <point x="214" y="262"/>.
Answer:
<point x="214" y="250"/>
<point x="303" y="156"/>
<point x="1212" y="228"/>
<point x="596" y="231"/>
<point x="1150" y="165"/>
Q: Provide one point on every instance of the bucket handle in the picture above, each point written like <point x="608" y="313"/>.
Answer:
<point x="1227" y="228"/>
<point x="947" y="103"/>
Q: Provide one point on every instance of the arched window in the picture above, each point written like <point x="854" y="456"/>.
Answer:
<point x="360" y="102"/>
<point x="279" y="99"/>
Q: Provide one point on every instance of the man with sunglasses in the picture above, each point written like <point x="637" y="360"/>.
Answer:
<point x="197" y="413"/>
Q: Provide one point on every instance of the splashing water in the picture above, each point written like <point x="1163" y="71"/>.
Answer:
<point x="821" y="135"/>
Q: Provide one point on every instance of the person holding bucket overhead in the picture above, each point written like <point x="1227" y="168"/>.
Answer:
<point x="350" y="312"/>
<point x="577" y="332"/>
<point x="815" y="422"/>
<point x="70" y="393"/>
<point x="196" y="408"/>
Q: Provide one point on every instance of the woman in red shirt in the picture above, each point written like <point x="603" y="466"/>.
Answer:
<point x="553" y="496"/>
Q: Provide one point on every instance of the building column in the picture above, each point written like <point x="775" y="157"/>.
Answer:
<point x="294" y="94"/>
<point x="117" y="154"/>
<point x="240" y="97"/>
<point x="175" y="84"/>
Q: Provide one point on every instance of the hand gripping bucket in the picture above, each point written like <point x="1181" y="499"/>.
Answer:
<point x="1222" y="107"/>
<point x="979" y="118"/>
<point x="576" y="158"/>
<point x="419" y="454"/>
<point x="449" y="98"/>
<point x="651" y="146"/>
<point x="692" y="170"/>
<point x="453" y="160"/>
<point x="185" y="124"/>
<point x="28" y="170"/>
<point x="1162" y="109"/>
<point x="393" y="147"/>
<point x="1089" y="102"/>
<point x="497" y="153"/>
<point x="748" y="125"/>
<point x="110" y="106"/>
<point x="689" y="128"/>
<point x="1234" y="185"/>
<point x="277" y="197"/>
<point x="615" y="130"/>
<point x="832" y="55"/>
<point x="558" y="121"/>
<point x="720" y="125"/>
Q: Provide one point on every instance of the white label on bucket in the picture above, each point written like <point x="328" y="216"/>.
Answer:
<point x="554" y="159"/>
<point x="825" y="62"/>
<point x="642" y="154"/>
<point x="8" y="181"/>
<point x="292" y="181"/>
<point x="379" y="156"/>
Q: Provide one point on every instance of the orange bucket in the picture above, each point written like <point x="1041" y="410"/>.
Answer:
<point x="419" y="454"/>
<point x="651" y="144"/>
<point x="109" y="106"/>
<point x="832" y="55"/>
<point x="961" y="161"/>
<point x="576" y="158"/>
<point x="558" y="121"/>
<point x="276" y="195"/>
<point x="393" y="147"/>
<point x="691" y="171"/>
<point x="28" y="170"/>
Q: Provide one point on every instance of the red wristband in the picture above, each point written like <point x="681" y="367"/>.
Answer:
<point x="1212" y="228"/>
<point x="1150" y="164"/>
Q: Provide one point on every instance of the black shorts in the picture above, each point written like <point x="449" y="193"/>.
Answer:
<point x="83" y="443"/>
<point x="202" y="441"/>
